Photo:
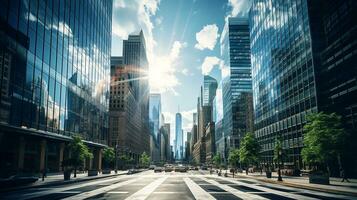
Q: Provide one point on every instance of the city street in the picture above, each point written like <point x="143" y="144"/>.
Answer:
<point x="172" y="185"/>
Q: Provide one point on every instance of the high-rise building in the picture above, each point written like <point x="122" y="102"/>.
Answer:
<point x="155" y="124"/>
<point x="166" y="150"/>
<point x="54" y="69"/>
<point x="237" y="83"/>
<point x="303" y="62"/>
<point x="209" y="90"/>
<point x="178" y="137"/>
<point x="124" y="111"/>
<point x="130" y="92"/>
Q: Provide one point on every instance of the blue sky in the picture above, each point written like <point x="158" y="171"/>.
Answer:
<point x="183" y="43"/>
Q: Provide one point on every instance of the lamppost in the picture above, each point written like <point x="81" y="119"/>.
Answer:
<point x="279" y="165"/>
<point x="116" y="158"/>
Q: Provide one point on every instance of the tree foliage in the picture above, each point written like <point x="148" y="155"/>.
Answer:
<point x="278" y="150"/>
<point x="144" y="159"/>
<point x="233" y="157"/>
<point x="79" y="152"/>
<point x="249" y="149"/>
<point x="217" y="160"/>
<point x="324" y="139"/>
<point x="108" y="156"/>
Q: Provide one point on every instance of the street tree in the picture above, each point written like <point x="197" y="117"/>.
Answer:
<point x="217" y="160"/>
<point x="249" y="150"/>
<point x="108" y="157"/>
<point x="79" y="152"/>
<point x="144" y="159"/>
<point x="233" y="158"/>
<point x="278" y="155"/>
<point x="324" y="140"/>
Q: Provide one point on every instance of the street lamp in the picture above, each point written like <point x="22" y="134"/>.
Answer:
<point x="116" y="158"/>
<point x="279" y="166"/>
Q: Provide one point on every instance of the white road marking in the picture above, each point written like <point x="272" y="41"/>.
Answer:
<point x="70" y="187"/>
<point x="197" y="191"/>
<point x="235" y="192"/>
<point x="168" y="192"/>
<point x="92" y="193"/>
<point x="264" y="189"/>
<point x="147" y="190"/>
<point x="117" y="192"/>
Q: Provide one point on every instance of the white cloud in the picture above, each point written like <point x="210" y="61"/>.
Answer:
<point x="239" y="7"/>
<point x="207" y="37"/>
<point x="163" y="68"/>
<point x="131" y="16"/>
<point x="209" y="63"/>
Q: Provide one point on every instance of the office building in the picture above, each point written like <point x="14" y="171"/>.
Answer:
<point x="210" y="142"/>
<point x="178" y="137"/>
<point x="54" y="69"/>
<point x="129" y="94"/>
<point x="237" y="84"/>
<point x="298" y="71"/>
<point x="209" y="90"/>
<point x="155" y="124"/>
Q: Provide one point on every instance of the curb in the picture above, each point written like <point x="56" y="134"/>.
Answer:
<point x="57" y="183"/>
<point x="302" y="186"/>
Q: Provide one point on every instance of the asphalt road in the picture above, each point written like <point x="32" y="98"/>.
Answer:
<point x="170" y="186"/>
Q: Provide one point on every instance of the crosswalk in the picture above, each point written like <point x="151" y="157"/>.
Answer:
<point x="175" y="186"/>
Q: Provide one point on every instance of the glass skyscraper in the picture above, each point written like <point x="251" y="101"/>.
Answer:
<point x="179" y="137"/>
<point x="304" y="61"/>
<point x="237" y="83"/>
<point x="284" y="84"/>
<point x="54" y="69"/>
<point x="155" y="125"/>
<point x="209" y="90"/>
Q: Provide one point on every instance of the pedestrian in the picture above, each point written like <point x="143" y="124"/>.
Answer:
<point x="343" y="175"/>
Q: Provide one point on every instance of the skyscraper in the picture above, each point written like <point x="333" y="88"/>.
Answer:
<point x="209" y="90"/>
<point x="179" y="137"/>
<point x="302" y="63"/>
<point x="237" y="83"/>
<point x="124" y="111"/>
<point x="154" y="116"/>
<point x="133" y="134"/>
<point x="53" y="84"/>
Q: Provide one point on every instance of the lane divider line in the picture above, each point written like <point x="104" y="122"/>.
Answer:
<point x="147" y="190"/>
<point x="197" y="191"/>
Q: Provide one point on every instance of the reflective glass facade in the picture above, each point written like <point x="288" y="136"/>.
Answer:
<point x="283" y="73"/>
<point x="209" y="90"/>
<point x="179" y="137"/>
<point x="237" y="84"/>
<point x="54" y="66"/>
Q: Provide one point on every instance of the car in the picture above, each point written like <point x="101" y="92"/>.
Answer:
<point x="168" y="169"/>
<point x="158" y="169"/>
<point x="151" y="167"/>
<point x="203" y="167"/>
<point x="180" y="169"/>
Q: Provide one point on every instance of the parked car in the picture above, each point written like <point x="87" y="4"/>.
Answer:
<point x="203" y="167"/>
<point x="158" y="169"/>
<point x="168" y="169"/>
<point x="151" y="167"/>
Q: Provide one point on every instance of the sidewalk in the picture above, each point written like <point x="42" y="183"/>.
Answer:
<point x="58" y="179"/>
<point x="336" y="186"/>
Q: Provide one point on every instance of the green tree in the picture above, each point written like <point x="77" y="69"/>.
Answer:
<point x="249" y="150"/>
<point x="217" y="160"/>
<point x="124" y="160"/>
<point x="108" y="157"/>
<point x="279" y="155"/>
<point x="324" y="140"/>
<point x="144" y="160"/>
<point x="79" y="152"/>
<point x="233" y="158"/>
